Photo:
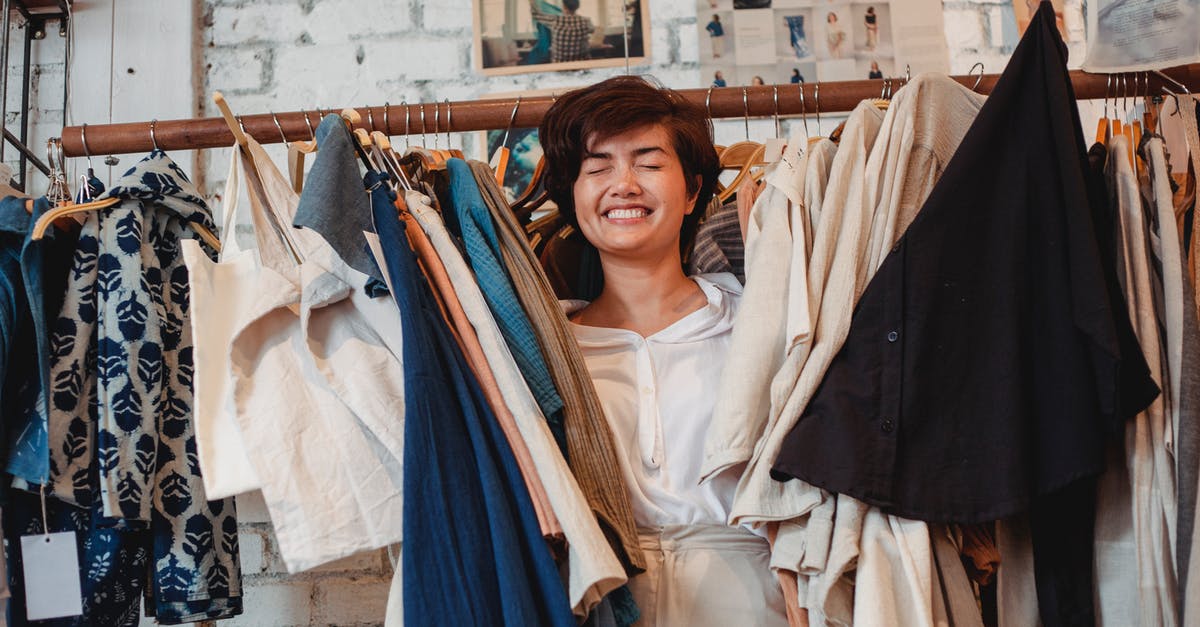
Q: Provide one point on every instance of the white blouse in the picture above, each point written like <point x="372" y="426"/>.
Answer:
<point x="658" y="394"/>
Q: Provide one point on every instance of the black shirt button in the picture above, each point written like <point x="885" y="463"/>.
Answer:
<point x="896" y="248"/>
<point x="893" y="336"/>
<point x="887" y="425"/>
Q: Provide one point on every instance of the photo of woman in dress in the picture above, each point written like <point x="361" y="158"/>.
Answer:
<point x="835" y="35"/>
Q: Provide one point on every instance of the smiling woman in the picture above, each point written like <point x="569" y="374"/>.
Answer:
<point x="633" y="165"/>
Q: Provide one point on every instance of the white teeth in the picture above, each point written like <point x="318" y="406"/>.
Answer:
<point x="626" y="214"/>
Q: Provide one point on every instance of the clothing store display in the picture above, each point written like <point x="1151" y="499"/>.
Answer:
<point x="594" y="569"/>
<point x="492" y="532"/>
<point x="120" y="429"/>
<point x="986" y="485"/>
<point x="939" y="366"/>
<point x="591" y="446"/>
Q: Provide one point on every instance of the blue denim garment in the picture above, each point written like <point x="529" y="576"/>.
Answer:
<point x="473" y="549"/>
<point x="483" y="253"/>
<point x="44" y="265"/>
<point x="335" y="204"/>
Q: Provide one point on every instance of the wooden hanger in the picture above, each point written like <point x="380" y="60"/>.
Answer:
<point x="296" y="152"/>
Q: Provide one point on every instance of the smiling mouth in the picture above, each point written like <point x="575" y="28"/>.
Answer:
<point x="627" y="213"/>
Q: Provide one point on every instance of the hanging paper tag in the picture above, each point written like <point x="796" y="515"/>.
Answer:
<point x="52" y="587"/>
<point x="773" y="149"/>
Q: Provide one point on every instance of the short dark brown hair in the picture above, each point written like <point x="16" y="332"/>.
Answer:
<point x="615" y="106"/>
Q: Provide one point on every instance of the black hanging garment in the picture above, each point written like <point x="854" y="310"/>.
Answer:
<point x="984" y="372"/>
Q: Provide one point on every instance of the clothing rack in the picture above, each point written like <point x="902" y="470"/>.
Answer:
<point x="477" y="115"/>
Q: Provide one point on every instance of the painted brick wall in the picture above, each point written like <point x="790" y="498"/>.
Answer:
<point x="287" y="54"/>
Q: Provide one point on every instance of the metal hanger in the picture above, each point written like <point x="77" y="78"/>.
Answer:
<point x="803" y="106"/>
<point x="978" y="79"/>
<point x="153" y="139"/>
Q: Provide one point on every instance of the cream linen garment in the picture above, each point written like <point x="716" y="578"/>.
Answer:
<point x="328" y="452"/>
<point x="222" y="297"/>
<point x="592" y="568"/>
<point x="774" y="234"/>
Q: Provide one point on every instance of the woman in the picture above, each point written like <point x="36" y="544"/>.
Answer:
<point x="875" y="71"/>
<point x="716" y="32"/>
<point x="633" y="166"/>
<point x="834" y="35"/>
<point x="872" y="22"/>
<point x="757" y="80"/>
<point x="718" y="79"/>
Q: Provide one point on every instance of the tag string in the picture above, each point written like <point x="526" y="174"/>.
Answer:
<point x="45" y="518"/>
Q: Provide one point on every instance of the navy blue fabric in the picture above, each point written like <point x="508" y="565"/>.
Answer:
<point x="334" y="203"/>
<point x="473" y="549"/>
<point x="478" y="233"/>
<point x="43" y="266"/>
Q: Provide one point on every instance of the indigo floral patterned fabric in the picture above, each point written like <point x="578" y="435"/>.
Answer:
<point x="121" y="442"/>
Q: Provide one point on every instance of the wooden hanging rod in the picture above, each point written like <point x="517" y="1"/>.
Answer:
<point x="477" y="115"/>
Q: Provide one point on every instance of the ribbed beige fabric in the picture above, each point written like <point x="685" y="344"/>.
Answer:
<point x="590" y="449"/>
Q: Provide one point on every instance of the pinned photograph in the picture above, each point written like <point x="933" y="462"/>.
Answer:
<point x="520" y="36"/>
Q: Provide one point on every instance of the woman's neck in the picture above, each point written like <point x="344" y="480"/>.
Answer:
<point x="644" y="297"/>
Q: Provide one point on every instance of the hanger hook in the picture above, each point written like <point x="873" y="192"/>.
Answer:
<point x="817" y="104"/>
<point x="978" y="78"/>
<point x="280" y="127"/>
<point x="803" y="106"/>
<point x="387" y="125"/>
<point x="83" y="140"/>
<point x="407" y="119"/>
<point x="153" y="139"/>
<point x="907" y="73"/>
<point x="424" y="140"/>
<point x="449" y="110"/>
<point x="437" y="124"/>
<point x="883" y="88"/>
<point x="312" y="135"/>
<point x="243" y="127"/>
<point x="775" y="95"/>
<point x="371" y="119"/>
<point x="512" y="118"/>
<point x="746" y="112"/>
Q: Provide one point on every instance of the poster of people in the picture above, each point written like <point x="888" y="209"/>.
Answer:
<point x="749" y="42"/>
<point x="519" y="36"/>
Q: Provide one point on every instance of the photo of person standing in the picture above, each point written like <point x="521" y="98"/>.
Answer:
<point x="835" y="35"/>
<point x="716" y="34"/>
<point x="569" y="33"/>
<point x="872" y="22"/>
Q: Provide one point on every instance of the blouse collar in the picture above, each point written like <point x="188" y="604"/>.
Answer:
<point x="716" y="317"/>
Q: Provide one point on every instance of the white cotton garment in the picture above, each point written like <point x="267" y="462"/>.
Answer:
<point x="222" y="295"/>
<point x="593" y="570"/>
<point x="317" y="388"/>
<point x="759" y="338"/>
<point x="658" y="393"/>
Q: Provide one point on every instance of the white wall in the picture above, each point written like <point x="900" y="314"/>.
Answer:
<point x="167" y="56"/>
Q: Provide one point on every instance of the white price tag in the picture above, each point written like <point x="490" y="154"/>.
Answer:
<point x="52" y="588"/>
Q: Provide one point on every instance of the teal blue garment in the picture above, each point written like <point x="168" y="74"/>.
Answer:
<point x="478" y="233"/>
<point x="540" y="53"/>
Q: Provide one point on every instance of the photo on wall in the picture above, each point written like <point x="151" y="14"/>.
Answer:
<point x="520" y="36"/>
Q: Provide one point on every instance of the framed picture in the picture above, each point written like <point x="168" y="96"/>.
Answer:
<point x="520" y="36"/>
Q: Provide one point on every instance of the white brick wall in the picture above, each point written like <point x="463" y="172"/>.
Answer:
<point x="282" y="55"/>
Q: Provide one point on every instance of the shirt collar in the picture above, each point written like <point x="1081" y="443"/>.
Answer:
<point x="13" y="218"/>
<point x="714" y="318"/>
